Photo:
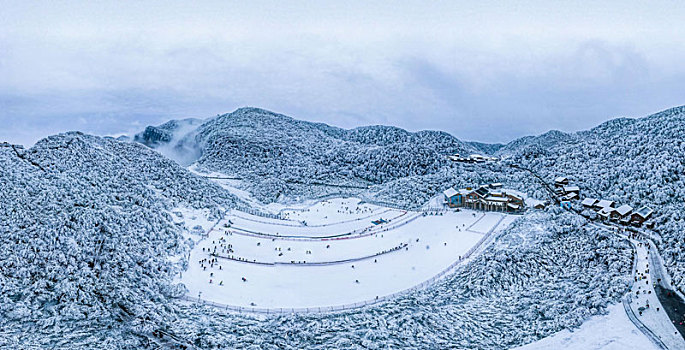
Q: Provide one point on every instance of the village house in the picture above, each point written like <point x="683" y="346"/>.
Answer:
<point x="621" y="212"/>
<point x="640" y="216"/>
<point x="569" y="196"/>
<point x="477" y="158"/>
<point x="606" y="212"/>
<point x="601" y="204"/>
<point x="571" y="189"/>
<point x="540" y="205"/>
<point x="560" y="181"/>
<point x="473" y="158"/>
<point x="589" y="202"/>
<point x="624" y="214"/>
<point x="484" y="198"/>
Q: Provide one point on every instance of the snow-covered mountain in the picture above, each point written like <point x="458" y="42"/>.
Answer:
<point x="85" y="237"/>
<point x="544" y="141"/>
<point x="633" y="161"/>
<point x="174" y="139"/>
<point x="278" y="152"/>
<point x="636" y="161"/>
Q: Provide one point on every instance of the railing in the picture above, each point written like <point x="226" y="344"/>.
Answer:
<point x="256" y="212"/>
<point x="319" y="198"/>
<point x="383" y="203"/>
<point x="311" y="263"/>
<point x="300" y="224"/>
<point x="434" y="210"/>
<point x="349" y="235"/>
<point x="345" y="307"/>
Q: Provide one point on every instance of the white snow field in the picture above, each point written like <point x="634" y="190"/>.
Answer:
<point x="613" y="331"/>
<point x="339" y="258"/>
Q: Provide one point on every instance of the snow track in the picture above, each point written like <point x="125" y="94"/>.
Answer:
<point x="349" y="261"/>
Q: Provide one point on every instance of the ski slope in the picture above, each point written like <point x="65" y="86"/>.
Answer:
<point x="339" y="257"/>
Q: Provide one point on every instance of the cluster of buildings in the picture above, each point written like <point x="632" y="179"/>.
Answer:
<point x="473" y="158"/>
<point x="624" y="214"/>
<point x="487" y="197"/>
<point x="564" y="190"/>
<point x="606" y="209"/>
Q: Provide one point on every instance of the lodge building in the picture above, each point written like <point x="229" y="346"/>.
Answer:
<point x="488" y="197"/>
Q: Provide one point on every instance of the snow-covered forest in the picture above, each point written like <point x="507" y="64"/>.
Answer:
<point x="86" y="239"/>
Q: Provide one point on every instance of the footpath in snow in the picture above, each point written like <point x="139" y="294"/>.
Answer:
<point x="646" y="306"/>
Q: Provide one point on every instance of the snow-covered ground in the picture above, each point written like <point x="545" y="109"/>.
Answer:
<point x="195" y="222"/>
<point x="613" y="331"/>
<point x="642" y="294"/>
<point x="275" y="257"/>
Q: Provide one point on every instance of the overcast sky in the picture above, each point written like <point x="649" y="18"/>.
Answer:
<point x="489" y="71"/>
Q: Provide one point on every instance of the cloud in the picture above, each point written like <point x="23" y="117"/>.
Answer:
<point x="483" y="72"/>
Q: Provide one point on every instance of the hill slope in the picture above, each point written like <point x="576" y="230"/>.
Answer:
<point x="278" y="152"/>
<point x="86" y="238"/>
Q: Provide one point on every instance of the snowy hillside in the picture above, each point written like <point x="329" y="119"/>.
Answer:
<point x="631" y="161"/>
<point x="544" y="141"/>
<point x="276" y="154"/>
<point x="86" y="237"/>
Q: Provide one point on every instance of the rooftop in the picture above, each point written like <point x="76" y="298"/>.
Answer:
<point x="571" y="188"/>
<point x="588" y="202"/>
<point x="644" y="212"/>
<point x="560" y="179"/>
<point x="605" y="203"/>
<point x="624" y="209"/>
<point x="450" y="192"/>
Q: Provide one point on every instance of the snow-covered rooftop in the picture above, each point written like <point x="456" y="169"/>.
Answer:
<point x="605" y="203"/>
<point x="450" y="192"/>
<point x="624" y="210"/>
<point x="497" y="199"/>
<point x="644" y="212"/>
<point x="560" y="179"/>
<point x="571" y="189"/>
<point x="570" y="196"/>
<point x="606" y="211"/>
<point x="588" y="202"/>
